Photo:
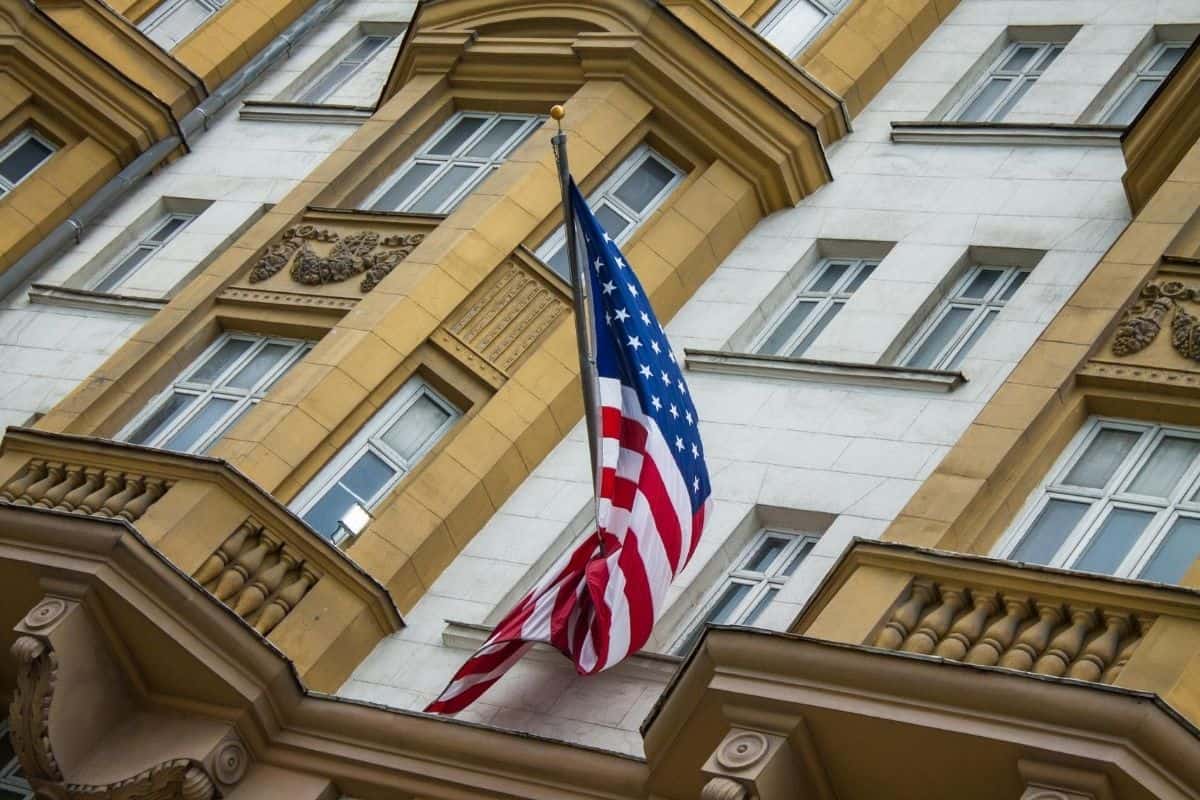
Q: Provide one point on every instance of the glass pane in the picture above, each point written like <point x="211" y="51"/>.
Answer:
<point x="981" y="284"/>
<point x="23" y="159"/>
<point x="124" y="269"/>
<point x="1176" y="554"/>
<point x="644" y="184"/>
<point x="860" y="277"/>
<point x="367" y="476"/>
<point x="500" y="133"/>
<point x="1049" y="531"/>
<point x="1167" y="60"/>
<point x="722" y="610"/>
<point x="200" y="425"/>
<point x="6" y="752"/>
<point x="1111" y="543"/>
<point x="787" y="327"/>
<point x="258" y="366"/>
<point x="324" y="515"/>
<point x="219" y="361"/>
<point x="798" y="557"/>
<point x="942" y="334"/>
<point x="1166" y="466"/>
<point x="1013" y="285"/>
<point x="750" y="617"/>
<point x="455" y="137"/>
<point x="829" y="276"/>
<point x="559" y="262"/>
<point x="613" y="222"/>
<point x="987" y="97"/>
<point x="410" y="434"/>
<point x="168" y="229"/>
<point x="974" y="336"/>
<point x="178" y="23"/>
<point x="1020" y="58"/>
<point x="793" y="27"/>
<point x="324" y="86"/>
<point x="396" y="196"/>
<point x="1132" y="101"/>
<point x="1101" y="459"/>
<point x="816" y="329"/>
<point x="366" y="48"/>
<point x="10" y="794"/>
<point x="764" y="554"/>
<point x="1012" y="99"/>
<point x="170" y="410"/>
<point x="1048" y="58"/>
<point x="451" y="181"/>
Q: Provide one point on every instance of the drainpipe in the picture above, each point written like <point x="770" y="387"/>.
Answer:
<point x="193" y="124"/>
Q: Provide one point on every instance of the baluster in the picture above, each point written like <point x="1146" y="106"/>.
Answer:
<point x="1000" y="634"/>
<point x="34" y="471"/>
<point x="154" y="489"/>
<point x="906" y="615"/>
<point x="1067" y="643"/>
<point x="116" y="504"/>
<point x="1112" y="673"/>
<point x="1102" y="650"/>
<point x="224" y="554"/>
<point x="91" y="479"/>
<point x="264" y="585"/>
<point x="1033" y="639"/>
<point x="54" y="474"/>
<point x="935" y="624"/>
<point x="964" y="632"/>
<point x="282" y="603"/>
<point x="245" y="565"/>
<point x="96" y="500"/>
<point x="54" y="495"/>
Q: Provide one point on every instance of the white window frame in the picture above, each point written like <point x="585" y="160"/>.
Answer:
<point x="828" y="301"/>
<point x="772" y="19"/>
<point x="244" y="399"/>
<point x="369" y="438"/>
<point x="9" y="147"/>
<point x="142" y="243"/>
<point x="762" y="583"/>
<point x="10" y="778"/>
<point x="343" y="57"/>
<point x="1141" y="74"/>
<point x="606" y="192"/>
<point x="1113" y="495"/>
<point x="981" y="307"/>
<point x="165" y="9"/>
<point x="1029" y="73"/>
<point x="444" y="163"/>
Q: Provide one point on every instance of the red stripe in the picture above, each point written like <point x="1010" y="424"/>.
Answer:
<point x="637" y="592"/>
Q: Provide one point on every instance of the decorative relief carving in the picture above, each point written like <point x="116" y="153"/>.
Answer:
<point x="82" y="489"/>
<point x="351" y="255"/>
<point x="723" y="789"/>
<point x="29" y="712"/>
<point x="1144" y="320"/>
<point x="741" y="750"/>
<point x="267" y="297"/>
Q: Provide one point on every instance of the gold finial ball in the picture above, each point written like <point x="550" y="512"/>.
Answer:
<point x="558" y="112"/>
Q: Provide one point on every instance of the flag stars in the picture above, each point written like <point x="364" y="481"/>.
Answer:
<point x="646" y="320"/>
<point x="598" y="263"/>
<point x="666" y="376"/>
<point x="654" y="346"/>
<point x="609" y="287"/>
<point x="654" y="401"/>
<point x="673" y="411"/>
<point x="695" y="451"/>
<point x="622" y="315"/>
<point x="607" y="238"/>
<point x="671" y="355"/>
<point x="646" y="372"/>
<point x="636" y="343"/>
<point x="634" y="292"/>
<point x="696" y="484"/>
<point x="682" y="387"/>
<point x="679" y="443"/>
<point x="620" y="262"/>
<point x="688" y="416"/>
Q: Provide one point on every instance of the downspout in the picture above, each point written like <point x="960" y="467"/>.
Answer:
<point x="193" y="124"/>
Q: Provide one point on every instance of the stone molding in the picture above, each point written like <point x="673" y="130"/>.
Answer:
<point x="68" y="297"/>
<point x="265" y="297"/>
<point x="273" y="111"/>
<point x="811" y="369"/>
<point x="1016" y="133"/>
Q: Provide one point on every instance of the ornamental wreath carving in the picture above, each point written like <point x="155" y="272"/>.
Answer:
<point x="1143" y="321"/>
<point x="351" y="255"/>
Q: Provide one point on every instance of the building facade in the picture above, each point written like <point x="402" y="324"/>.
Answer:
<point x="928" y="267"/>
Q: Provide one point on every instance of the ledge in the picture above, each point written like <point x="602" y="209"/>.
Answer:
<point x="934" y="132"/>
<point x="811" y="369"/>
<point x="65" y="297"/>
<point x="271" y="111"/>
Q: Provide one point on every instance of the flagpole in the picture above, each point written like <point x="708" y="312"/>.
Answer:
<point x="584" y="324"/>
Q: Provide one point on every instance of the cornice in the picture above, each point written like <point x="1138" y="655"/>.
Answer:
<point x="811" y="369"/>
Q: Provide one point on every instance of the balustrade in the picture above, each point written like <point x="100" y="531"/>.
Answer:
<point x="82" y="489"/>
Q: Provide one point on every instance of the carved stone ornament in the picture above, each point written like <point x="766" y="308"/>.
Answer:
<point x="1144" y="320"/>
<point x="742" y="750"/>
<point x="351" y="255"/>
<point x="723" y="789"/>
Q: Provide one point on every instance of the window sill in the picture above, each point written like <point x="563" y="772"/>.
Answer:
<point x="810" y="369"/>
<point x="934" y="132"/>
<point x="65" y="297"/>
<point x="271" y="111"/>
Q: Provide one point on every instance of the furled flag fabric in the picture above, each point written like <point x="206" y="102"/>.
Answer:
<point x="600" y="603"/>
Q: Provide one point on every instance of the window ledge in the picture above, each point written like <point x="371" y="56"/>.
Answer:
<point x="810" y="369"/>
<point x="272" y="111"/>
<point x="66" y="297"/>
<point x="934" y="132"/>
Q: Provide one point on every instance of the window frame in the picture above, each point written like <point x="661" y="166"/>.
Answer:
<point x="388" y="38"/>
<point x="770" y="20"/>
<point x="163" y="10"/>
<point x="15" y="141"/>
<point x="244" y="400"/>
<point x="1016" y="78"/>
<point x="1139" y="74"/>
<point x="144" y="242"/>
<point x="11" y="779"/>
<point x="761" y="582"/>
<point x="1113" y="495"/>
<point x="606" y="192"/>
<point x="835" y="297"/>
<point x="444" y="164"/>
<point x="369" y="438"/>
<point x="950" y="353"/>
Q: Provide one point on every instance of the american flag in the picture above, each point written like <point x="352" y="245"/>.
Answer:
<point x="600" y="603"/>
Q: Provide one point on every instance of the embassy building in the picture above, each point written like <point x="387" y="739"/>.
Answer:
<point x="932" y="269"/>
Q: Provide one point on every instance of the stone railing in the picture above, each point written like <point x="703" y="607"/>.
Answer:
<point x="82" y="489"/>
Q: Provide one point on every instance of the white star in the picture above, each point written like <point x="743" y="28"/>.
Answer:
<point x="645" y="318"/>
<point x="607" y="238"/>
<point x="695" y="451"/>
<point x="682" y="388"/>
<point x="674" y="411"/>
<point x="696" y="484"/>
<point x="688" y="417"/>
<point x="598" y="263"/>
<point x="646" y="373"/>
<point x="654" y="346"/>
<point x="633" y="291"/>
<point x="679" y="443"/>
<point x="654" y="401"/>
<point x="622" y="315"/>
<point x="608" y="317"/>
<point x="671" y="354"/>
<point x="620" y="262"/>
<point x="666" y="376"/>
<point x="635" y="343"/>
<point x="608" y="288"/>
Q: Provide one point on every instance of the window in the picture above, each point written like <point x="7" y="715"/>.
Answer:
<point x="820" y="299"/>
<point x="226" y="381"/>
<point x="12" y="785"/>
<point x="749" y="587"/>
<point x="375" y="460"/>
<point x="1123" y="500"/>
<point x="131" y="260"/>
<point x="1018" y="68"/>
<point x="1149" y="76"/>
<point x="794" y="23"/>
<point x="333" y="78"/>
<point x="622" y="203"/>
<point x="172" y="20"/>
<point x="961" y="320"/>
<point x="20" y="156"/>
<point x="453" y="162"/>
